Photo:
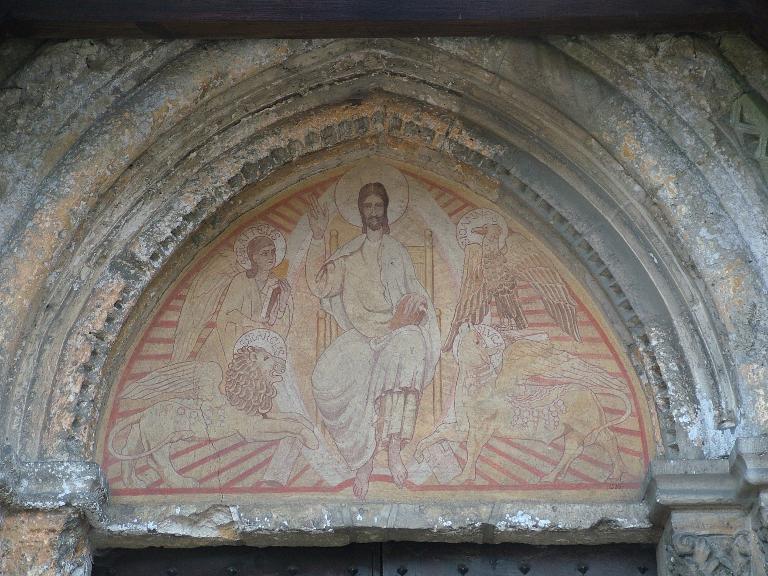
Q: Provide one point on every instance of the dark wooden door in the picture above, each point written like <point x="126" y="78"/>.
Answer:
<point x="387" y="559"/>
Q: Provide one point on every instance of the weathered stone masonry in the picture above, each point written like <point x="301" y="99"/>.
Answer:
<point x="641" y="159"/>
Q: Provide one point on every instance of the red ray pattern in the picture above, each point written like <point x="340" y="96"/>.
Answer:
<point x="504" y="464"/>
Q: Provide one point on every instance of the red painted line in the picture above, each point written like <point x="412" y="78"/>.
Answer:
<point x="274" y="223"/>
<point x="542" y="325"/>
<point x="616" y="411"/>
<point x="143" y="468"/>
<point x="142" y="357"/>
<point x="584" y="339"/>
<point x="213" y="456"/>
<point x="548" y="460"/>
<point x="514" y="460"/>
<point x="285" y="214"/>
<point x="250" y="471"/>
<point x="160" y="341"/>
<point x="125" y="413"/>
<point x="485" y="477"/>
<point x="586" y="458"/>
<point x="626" y="431"/>
<point x="630" y="452"/>
<point x="530" y="487"/>
<point x="296" y="208"/>
<point x="346" y="484"/>
<point x="594" y="356"/>
<point x="501" y="469"/>
<point x="162" y="324"/>
<point x="461" y="208"/>
<point x="171" y="308"/>
<point x="192" y="448"/>
<point x="298" y="475"/>
<point x="236" y="462"/>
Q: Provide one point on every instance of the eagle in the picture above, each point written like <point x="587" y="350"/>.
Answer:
<point x="492" y="273"/>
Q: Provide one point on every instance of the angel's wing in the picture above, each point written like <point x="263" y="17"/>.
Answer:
<point x="202" y="300"/>
<point x="473" y="295"/>
<point x="531" y="265"/>
<point x="177" y="380"/>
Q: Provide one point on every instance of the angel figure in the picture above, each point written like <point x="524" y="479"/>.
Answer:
<point x="236" y="292"/>
<point x="493" y="268"/>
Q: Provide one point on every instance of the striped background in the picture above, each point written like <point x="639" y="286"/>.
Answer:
<point x="231" y="465"/>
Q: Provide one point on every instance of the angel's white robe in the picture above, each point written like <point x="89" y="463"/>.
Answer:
<point x="367" y="383"/>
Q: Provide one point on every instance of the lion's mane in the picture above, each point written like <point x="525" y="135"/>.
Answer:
<point x="249" y="385"/>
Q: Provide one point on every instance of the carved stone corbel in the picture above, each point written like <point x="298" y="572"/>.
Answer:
<point x="714" y="512"/>
<point x="46" y="486"/>
<point x="704" y="555"/>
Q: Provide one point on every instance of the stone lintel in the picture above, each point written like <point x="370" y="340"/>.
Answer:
<point x="50" y="485"/>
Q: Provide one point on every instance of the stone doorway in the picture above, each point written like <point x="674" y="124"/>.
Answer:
<point x="386" y="559"/>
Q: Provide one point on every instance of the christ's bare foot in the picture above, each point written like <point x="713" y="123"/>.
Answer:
<point x="396" y="466"/>
<point x="360" y="487"/>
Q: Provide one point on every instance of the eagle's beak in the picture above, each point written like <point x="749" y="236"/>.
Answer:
<point x="482" y="230"/>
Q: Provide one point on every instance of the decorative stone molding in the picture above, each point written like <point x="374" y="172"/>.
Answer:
<point x="52" y="485"/>
<point x="749" y="118"/>
<point x="713" y="512"/>
<point x="232" y="129"/>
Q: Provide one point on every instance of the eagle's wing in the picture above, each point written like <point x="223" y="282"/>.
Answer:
<point x="202" y="301"/>
<point x="472" y="305"/>
<point x="531" y="265"/>
<point x="177" y="380"/>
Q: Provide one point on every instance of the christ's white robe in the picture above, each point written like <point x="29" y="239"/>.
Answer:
<point x="368" y="381"/>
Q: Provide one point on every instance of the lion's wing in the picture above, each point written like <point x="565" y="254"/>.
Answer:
<point x="177" y="380"/>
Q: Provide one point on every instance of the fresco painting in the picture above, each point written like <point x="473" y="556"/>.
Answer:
<point x="377" y="334"/>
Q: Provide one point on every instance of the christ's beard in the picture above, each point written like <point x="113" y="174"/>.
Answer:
<point x="374" y="223"/>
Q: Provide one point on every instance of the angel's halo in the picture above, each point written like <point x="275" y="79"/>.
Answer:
<point x="259" y="229"/>
<point x="367" y="171"/>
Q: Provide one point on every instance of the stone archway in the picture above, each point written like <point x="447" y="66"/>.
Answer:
<point x="632" y="181"/>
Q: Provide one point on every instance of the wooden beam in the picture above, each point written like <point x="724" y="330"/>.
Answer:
<point x="362" y="18"/>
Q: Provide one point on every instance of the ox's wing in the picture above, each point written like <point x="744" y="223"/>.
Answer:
<point x="177" y="380"/>
<point x="530" y="265"/>
<point x="561" y="367"/>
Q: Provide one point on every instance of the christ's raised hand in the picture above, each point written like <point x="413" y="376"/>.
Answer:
<point x="318" y="218"/>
